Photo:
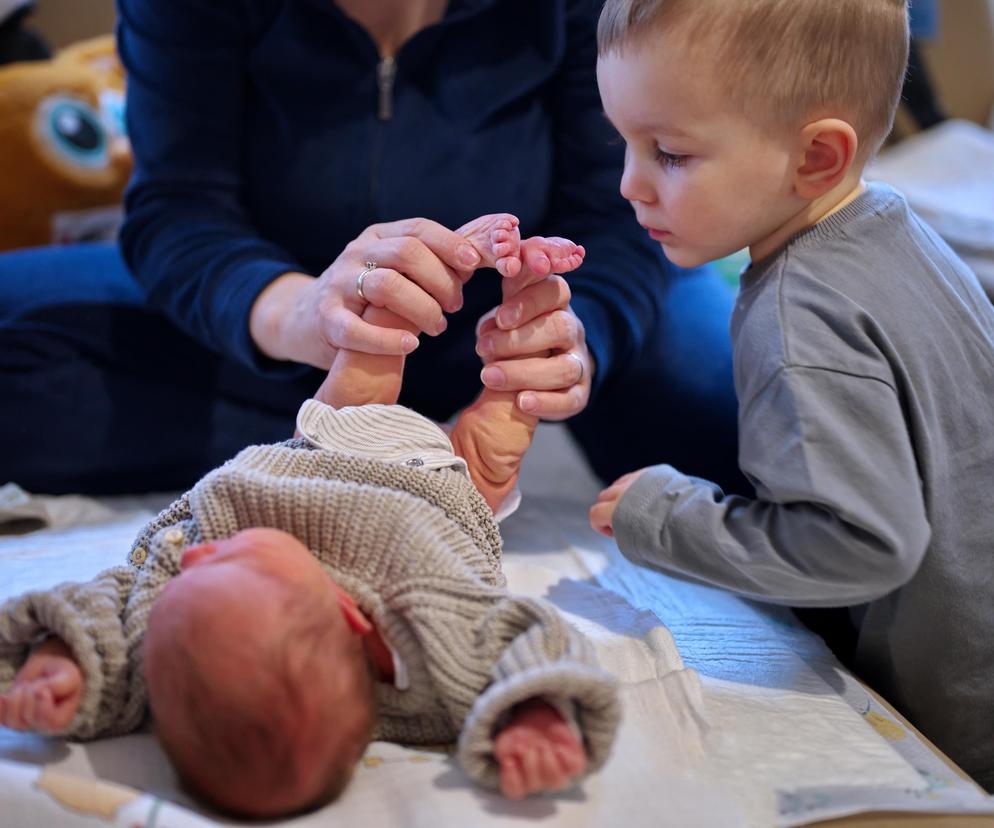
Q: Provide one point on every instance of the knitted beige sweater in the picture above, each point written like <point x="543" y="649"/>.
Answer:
<point x="419" y="551"/>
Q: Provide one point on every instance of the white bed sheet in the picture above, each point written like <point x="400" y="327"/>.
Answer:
<point x="764" y="728"/>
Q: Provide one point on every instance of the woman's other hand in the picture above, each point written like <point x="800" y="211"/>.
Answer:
<point x="538" y="318"/>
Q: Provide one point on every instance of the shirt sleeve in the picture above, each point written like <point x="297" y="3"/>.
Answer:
<point x="839" y="517"/>
<point x="538" y="655"/>
<point x="617" y="290"/>
<point x="187" y="237"/>
<point x="88" y="618"/>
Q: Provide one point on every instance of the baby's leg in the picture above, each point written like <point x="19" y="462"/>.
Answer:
<point x="356" y="378"/>
<point x="359" y="379"/>
<point x="493" y="434"/>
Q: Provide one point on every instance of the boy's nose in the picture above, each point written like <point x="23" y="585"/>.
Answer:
<point x="634" y="186"/>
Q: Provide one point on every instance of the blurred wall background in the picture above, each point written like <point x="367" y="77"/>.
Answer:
<point x="959" y="56"/>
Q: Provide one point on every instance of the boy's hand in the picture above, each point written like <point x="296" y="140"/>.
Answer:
<point x="537" y="751"/>
<point x="602" y="512"/>
<point x="46" y="692"/>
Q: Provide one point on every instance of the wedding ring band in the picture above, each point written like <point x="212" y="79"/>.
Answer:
<point x="366" y="270"/>
<point x="579" y="361"/>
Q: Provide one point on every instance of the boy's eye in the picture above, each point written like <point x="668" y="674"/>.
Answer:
<point x="668" y="159"/>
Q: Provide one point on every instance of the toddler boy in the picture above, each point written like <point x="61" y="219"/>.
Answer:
<point x="863" y="347"/>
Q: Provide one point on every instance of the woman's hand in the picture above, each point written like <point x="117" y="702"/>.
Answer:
<point x="421" y="269"/>
<point x="538" y="318"/>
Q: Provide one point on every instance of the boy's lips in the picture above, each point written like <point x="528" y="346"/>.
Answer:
<point x="658" y="235"/>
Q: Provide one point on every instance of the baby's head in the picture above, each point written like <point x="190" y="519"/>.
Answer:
<point x="257" y="676"/>
<point x="740" y="113"/>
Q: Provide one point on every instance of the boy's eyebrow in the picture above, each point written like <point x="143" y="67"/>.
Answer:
<point x="655" y="129"/>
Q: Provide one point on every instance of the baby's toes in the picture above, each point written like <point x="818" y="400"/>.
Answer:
<point x="504" y="244"/>
<point x="565" y="255"/>
<point x="508" y="266"/>
<point x="480" y="232"/>
<point x="568" y="263"/>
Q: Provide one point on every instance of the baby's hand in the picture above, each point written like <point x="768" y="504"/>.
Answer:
<point x="602" y="512"/>
<point x="537" y="751"/>
<point x="46" y="692"/>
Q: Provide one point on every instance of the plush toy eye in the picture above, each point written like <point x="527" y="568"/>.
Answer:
<point x="73" y="129"/>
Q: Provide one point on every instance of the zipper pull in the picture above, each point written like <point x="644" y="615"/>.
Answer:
<point x="386" y="71"/>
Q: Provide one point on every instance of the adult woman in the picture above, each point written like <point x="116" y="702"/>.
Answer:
<point x="272" y="137"/>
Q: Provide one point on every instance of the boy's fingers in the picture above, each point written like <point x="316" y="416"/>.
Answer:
<point x="600" y="519"/>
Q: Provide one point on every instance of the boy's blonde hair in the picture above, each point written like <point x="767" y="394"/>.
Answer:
<point x="788" y="60"/>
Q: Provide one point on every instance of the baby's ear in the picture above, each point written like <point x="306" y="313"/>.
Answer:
<point x="827" y="152"/>
<point x="353" y="616"/>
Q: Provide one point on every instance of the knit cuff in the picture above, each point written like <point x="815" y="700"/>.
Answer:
<point x="593" y="692"/>
<point x="87" y="618"/>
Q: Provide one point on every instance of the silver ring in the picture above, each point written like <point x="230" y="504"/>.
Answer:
<point x="367" y="269"/>
<point x="579" y="361"/>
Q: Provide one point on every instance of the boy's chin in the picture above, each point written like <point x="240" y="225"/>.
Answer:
<point x="682" y="257"/>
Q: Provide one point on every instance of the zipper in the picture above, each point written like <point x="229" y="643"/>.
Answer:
<point x="386" y="72"/>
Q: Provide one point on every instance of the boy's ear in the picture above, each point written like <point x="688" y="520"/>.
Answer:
<point x="828" y="149"/>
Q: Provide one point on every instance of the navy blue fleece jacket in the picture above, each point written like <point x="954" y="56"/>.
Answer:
<point x="264" y="144"/>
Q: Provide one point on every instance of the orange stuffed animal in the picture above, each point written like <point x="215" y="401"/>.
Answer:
<point x="65" y="159"/>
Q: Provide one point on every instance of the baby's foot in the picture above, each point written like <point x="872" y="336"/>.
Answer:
<point x="551" y="254"/>
<point x="497" y="239"/>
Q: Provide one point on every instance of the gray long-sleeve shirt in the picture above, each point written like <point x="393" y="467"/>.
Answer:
<point x="864" y="367"/>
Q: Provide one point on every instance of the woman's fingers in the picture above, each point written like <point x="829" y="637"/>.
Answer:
<point x="388" y="288"/>
<point x="548" y="295"/>
<point x="342" y="329"/>
<point x="558" y="330"/>
<point x="418" y="263"/>
<point x="451" y="248"/>
<point x="560" y="371"/>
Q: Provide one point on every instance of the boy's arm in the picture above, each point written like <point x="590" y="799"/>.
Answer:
<point x="87" y="618"/>
<point x="839" y="517"/>
<point x="537" y="656"/>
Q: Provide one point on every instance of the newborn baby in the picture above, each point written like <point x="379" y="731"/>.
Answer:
<point x="371" y="605"/>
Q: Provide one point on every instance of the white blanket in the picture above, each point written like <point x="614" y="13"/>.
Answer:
<point x="765" y="728"/>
